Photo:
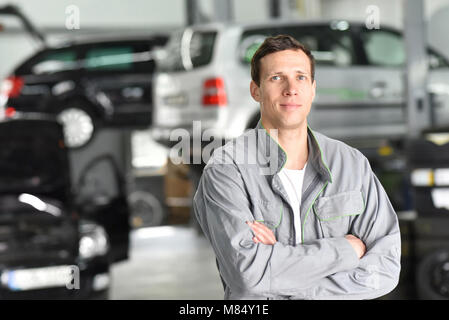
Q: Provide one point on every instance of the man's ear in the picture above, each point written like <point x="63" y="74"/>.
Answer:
<point x="313" y="89"/>
<point x="255" y="91"/>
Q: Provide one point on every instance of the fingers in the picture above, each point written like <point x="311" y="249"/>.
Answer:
<point x="357" y="244"/>
<point x="351" y="237"/>
<point x="262" y="234"/>
<point x="256" y="240"/>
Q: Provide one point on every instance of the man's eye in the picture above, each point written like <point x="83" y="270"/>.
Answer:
<point x="275" y="78"/>
<point x="302" y="77"/>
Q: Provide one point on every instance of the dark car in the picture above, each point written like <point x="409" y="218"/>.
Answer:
<point x="87" y="84"/>
<point x="55" y="242"/>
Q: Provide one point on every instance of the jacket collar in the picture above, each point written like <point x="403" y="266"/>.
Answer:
<point x="276" y="156"/>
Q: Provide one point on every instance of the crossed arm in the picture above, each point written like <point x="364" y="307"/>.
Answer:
<point x="252" y="261"/>
<point x="264" y="235"/>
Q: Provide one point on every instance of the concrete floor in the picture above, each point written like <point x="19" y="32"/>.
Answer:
<point x="175" y="263"/>
<point x="169" y="263"/>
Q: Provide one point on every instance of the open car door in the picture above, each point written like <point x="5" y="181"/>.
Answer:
<point x="101" y="197"/>
<point x="12" y="10"/>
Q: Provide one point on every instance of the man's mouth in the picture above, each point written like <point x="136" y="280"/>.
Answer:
<point x="291" y="105"/>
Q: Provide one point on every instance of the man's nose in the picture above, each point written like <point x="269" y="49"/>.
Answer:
<point x="291" y="88"/>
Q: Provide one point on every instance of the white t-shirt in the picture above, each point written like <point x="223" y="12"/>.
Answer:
<point x="292" y="181"/>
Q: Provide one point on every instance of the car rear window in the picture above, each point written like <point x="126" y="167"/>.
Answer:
<point x="330" y="45"/>
<point x="188" y="50"/>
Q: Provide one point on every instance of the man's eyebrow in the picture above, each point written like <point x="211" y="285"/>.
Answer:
<point x="280" y="72"/>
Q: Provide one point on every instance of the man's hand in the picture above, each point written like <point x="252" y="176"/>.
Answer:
<point x="262" y="234"/>
<point x="357" y="244"/>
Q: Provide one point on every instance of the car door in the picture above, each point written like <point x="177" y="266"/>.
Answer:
<point x="119" y="78"/>
<point x="102" y="198"/>
<point x="45" y="77"/>
<point x="359" y="78"/>
<point x="383" y="77"/>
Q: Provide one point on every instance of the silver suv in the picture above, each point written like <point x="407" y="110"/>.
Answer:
<point x="360" y="75"/>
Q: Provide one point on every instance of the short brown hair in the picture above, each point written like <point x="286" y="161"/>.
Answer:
<point x="274" y="44"/>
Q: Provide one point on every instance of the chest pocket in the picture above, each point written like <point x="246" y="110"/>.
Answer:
<point x="336" y="212"/>
<point x="270" y="213"/>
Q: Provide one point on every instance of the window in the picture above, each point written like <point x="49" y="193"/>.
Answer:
<point x="55" y="61"/>
<point x="188" y="50"/>
<point x="201" y="46"/>
<point x="437" y="61"/>
<point x="387" y="48"/>
<point x="329" y="46"/>
<point x="384" y="48"/>
<point x="111" y="58"/>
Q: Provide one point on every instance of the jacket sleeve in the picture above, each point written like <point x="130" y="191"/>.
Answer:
<point x="378" y="271"/>
<point x="222" y="207"/>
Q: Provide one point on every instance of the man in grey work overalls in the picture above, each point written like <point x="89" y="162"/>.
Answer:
<point x="317" y="224"/>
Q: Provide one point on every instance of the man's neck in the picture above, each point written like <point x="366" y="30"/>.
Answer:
<point x="294" y="143"/>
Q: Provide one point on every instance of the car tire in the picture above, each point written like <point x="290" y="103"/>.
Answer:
<point x="432" y="276"/>
<point x="146" y="209"/>
<point x="79" y="123"/>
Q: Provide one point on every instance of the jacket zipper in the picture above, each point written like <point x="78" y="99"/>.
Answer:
<point x="307" y="213"/>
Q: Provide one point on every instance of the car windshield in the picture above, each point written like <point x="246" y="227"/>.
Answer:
<point x="30" y="162"/>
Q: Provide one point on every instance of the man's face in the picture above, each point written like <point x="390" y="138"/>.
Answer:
<point x="286" y="89"/>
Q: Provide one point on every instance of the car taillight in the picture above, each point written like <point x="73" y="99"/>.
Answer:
<point x="214" y="93"/>
<point x="11" y="86"/>
<point x="10" y="112"/>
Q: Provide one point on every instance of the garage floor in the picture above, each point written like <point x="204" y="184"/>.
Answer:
<point x="168" y="262"/>
<point x="175" y="263"/>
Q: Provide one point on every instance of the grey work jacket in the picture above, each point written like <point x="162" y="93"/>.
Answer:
<point x="340" y="196"/>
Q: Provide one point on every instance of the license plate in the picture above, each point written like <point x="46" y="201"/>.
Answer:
<point x="176" y="100"/>
<point x="38" y="278"/>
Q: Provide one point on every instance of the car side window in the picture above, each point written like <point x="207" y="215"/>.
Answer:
<point x="335" y="49"/>
<point x="187" y="50"/>
<point x="201" y="47"/>
<point x="110" y="58"/>
<point x="99" y="180"/>
<point x="437" y="61"/>
<point x="55" y="61"/>
<point x="329" y="46"/>
<point x="384" y="48"/>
